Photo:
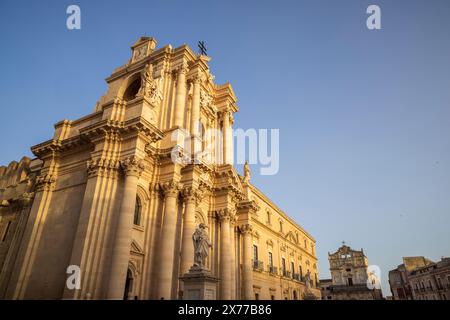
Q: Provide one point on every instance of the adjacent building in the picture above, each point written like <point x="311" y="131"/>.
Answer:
<point x="418" y="278"/>
<point x="350" y="277"/>
<point x="119" y="192"/>
<point x="399" y="277"/>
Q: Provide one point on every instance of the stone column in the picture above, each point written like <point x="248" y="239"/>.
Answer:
<point x="209" y="142"/>
<point x="121" y="250"/>
<point x="187" y="246"/>
<point x="195" y="111"/>
<point x="247" y="270"/>
<point x="233" y="258"/>
<point x="167" y="242"/>
<point x="227" y="138"/>
<point x="180" y="98"/>
<point x="225" y="255"/>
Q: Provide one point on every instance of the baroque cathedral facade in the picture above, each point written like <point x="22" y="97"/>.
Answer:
<point x="117" y="194"/>
<point x="351" y="278"/>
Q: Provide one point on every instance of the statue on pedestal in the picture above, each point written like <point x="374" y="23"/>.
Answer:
<point x="201" y="245"/>
<point x="308" y="280"/>
<point x="308" y="294"/>
<point x="198" y="283"/>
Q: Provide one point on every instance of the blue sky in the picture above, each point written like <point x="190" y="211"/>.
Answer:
<point x="364" y="116"/>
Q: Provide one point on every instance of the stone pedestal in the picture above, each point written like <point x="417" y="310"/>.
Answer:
<point x="199" y="284"/>
<point x="308" y="295"/>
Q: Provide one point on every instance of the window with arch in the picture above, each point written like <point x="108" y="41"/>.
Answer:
<point x="132" y="90"/>
<point x="137" y="212"/>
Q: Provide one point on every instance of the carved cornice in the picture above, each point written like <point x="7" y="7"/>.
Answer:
<point x="227" y="180"/>
<point x="47" y="148"/>
<point x="140" y="125"/>
<point x="250" y="206"/>
<point x="106" y="128"/>
<point x="101" y="129"/>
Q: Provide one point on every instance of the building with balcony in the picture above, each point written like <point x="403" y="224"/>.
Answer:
<point x="419" y="278"/>
<point x="399" y="277"/>
<point x="116" y="195"/>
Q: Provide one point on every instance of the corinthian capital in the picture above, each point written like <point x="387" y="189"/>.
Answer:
<point x="192" y="194"/>
<point x="246" y="228"/>
<point x="227" y="114"/>
<point x="183" y="68"/>
<point x="132" y="166"/>
<point x="225" y="214"/>
<point x="45" y="182"/>
<point x="170" y="188"/>
<point x="196" y="79"/>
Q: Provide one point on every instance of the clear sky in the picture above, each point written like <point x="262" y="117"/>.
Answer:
<point x="364" y="116"/>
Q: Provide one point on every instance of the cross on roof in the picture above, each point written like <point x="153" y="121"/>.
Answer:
<point x="202" y="48"/>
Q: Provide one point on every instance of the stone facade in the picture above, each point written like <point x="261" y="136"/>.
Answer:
<point x="119" y="193"/>
<point x="17" y="184"/>
<point x="350" y="277"/>
<point x="325" y="289"/>
<point x="421" y="279"/>
<point x="398" y="278"/>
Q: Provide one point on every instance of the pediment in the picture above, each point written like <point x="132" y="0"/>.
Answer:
<point x="292" y="237"/>
<point x="135" y="248"/>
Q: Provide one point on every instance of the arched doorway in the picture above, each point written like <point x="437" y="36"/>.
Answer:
<point x="128" y="293"/>
<point x="294" y="295"/>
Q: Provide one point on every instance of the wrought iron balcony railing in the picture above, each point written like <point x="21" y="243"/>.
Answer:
<point x="286" y="274"/>
<point x="272" y="270"/>
<point x="258" y="265"/>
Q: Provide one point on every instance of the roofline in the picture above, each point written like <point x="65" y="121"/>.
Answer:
<point x="260" y="193"/>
